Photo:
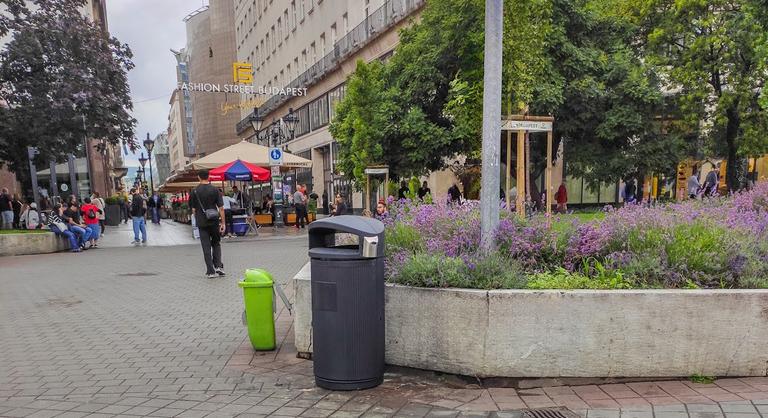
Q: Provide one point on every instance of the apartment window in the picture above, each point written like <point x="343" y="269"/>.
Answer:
<point x="280" y="30"/>
<point x="274" y="40"/>
<point x="296" y="66"/>
<point x="334" y="97"/>
<point x="269" y="46"/>
<point x="304" y="60"/>
<point x="318" y="113"/>
<point x="303" y="126"/>
<point x="263" y="51"/>
<point x="345" y="19"/>
<point x="322" y="44"/>
<point x="285" y="19"/>
<point x="333" y="34"/>
<point x="313" y="48"/>
<point x="258" y="55"/>
<point x="288" y="73"/>
<point x="293" y="13"/>
<point x="311" y="6"/>
<point x="302" y="10"/>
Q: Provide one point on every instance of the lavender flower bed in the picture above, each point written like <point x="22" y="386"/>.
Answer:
<point x="712" y="243"/>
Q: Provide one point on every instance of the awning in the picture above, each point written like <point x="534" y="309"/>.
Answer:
<point x="248" y="152"/>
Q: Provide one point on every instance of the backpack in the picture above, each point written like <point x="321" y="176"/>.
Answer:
<point x="32" y="220"/>
<point x="91" y="213"/>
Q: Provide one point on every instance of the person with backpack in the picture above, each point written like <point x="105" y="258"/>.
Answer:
<point x="30" y="218"/>
<point x="138" y="211"/>
<point x="90" y="214"/>
<point x="208" y="209"/>
<point x="99" y="203"/>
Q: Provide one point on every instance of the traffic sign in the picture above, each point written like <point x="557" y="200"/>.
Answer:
<point x="275" y="157"/>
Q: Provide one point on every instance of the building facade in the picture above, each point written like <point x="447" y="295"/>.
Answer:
<point x="210" y="53"/>
<point x="182" y="76"/>
<point x="177" y="157"/>
<point x="161" y="154"/>
<point x="315" y="44"/>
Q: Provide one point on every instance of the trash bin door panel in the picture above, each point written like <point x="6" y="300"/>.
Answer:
<point x="348" y="340"/>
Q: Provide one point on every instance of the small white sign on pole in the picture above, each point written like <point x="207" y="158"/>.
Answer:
<point x="275" y="157"/>
<point x="275" y="170"/>
<point x="526" y="125"/>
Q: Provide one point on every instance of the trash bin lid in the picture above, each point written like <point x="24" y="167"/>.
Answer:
<point x="357" y="225"/>
<point x="257" y="278"/>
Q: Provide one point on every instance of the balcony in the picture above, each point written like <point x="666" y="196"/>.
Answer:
<point x="386" y="16"/>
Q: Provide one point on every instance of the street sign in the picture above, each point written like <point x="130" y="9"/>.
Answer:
<point x="275" y="157"/>
<point x="275" y="170"/>
<point x="526" y="125"/>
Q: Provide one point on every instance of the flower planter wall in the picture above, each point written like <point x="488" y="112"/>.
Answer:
<point x="582" y="333"/>
<point x="24" y="244"/>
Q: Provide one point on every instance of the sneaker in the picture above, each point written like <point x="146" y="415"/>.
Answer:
<point x="211" y="275"/>
<point x="134" y="242"/>
<point x="76" y="250"/>
<point x="220" y="272"/>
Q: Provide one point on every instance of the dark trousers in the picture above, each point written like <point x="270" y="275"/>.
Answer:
<point x="301" y="215"/>
<point x="228" y="220"/>
<point x="210" y="240"/>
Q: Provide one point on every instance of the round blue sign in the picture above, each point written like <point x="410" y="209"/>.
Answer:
<point x="276" y="154"/>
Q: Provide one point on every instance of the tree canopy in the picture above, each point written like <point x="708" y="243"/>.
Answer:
<point x="63" y="79"/>
<point x="565" y="58"/>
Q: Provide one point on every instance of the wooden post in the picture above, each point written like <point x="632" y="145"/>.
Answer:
<point x="521" y="174"/>
<point x="528" y="197"/>
<point x="508" y="184"/>
<point x="548" y="179"/>
<point x="368" y="193"/>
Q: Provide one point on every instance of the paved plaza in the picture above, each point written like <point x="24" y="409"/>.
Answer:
<point x="137" y="331"/>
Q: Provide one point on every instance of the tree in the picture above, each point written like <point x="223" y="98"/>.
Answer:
<point x="64" y="80"/>
<point x="714" y="53"/>
<point x="561" y="57"/>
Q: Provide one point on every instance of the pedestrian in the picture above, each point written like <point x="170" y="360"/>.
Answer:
<point x="339" y="208"/>
<point x="59" y="227"/>
<point x="630" y="191"/>
<point x="454" y="194"/>
<point x="711" y="182"/>
<point x="155" y="204"/>
<point x="381" y="211"/>
<point x="228" y="202"/>
<point x="138" y="211"/>
<point x="99" y="203"/>
<point x="71" y="216"/>
<point x="91" y="214"/>
<point x="123" y="201"/>
<point x="16" y="205"/>
<point x="403" y="192"/>
<point x="693" y="185"/>
<point x="208" y="210"/>
<point x="30" y="218"/>
<point x="424" y="190"/>
<point x="562" y="198"/>
<point x="300" y="204"/>
<point x="240" y="198"/>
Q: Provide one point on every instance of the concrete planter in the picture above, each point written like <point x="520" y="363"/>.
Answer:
<point x="581" y="333"/>
<point x="112" y="215"/>
<point x="37" y="243"/>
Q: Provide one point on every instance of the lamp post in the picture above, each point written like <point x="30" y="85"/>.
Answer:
<point x="140" y="172"/>
<point x="149" y="144"/>
<point x="277" y="133"/>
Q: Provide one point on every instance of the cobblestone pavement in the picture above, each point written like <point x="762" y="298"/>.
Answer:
<point x="137" y="331"/>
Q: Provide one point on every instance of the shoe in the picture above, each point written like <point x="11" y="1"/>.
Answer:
<point x="134" y="242"/>
<point x="77" y="250"/>
<point x="220" y="272"/>
<point x="211" y="275"/>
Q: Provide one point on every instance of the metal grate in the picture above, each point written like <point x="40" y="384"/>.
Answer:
<point x="139" y="274"/>
<point x="549" y="413"/>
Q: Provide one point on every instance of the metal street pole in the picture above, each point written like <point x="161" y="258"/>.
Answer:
<point x="31" y="152"/>
<point x="54" y="186"/>
<point x="151" y="177"/>
<point x="72" y="175"/>
<point x="489" y="194"/>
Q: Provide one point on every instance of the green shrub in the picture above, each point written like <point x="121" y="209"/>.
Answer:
<point x="564" y="279"/>
<point x="428" y="270"/>
<point x="496" y="271"/>
<point x="402" y="237"/>
<point x="699" y="248"/>
<point x="112" y="200"/>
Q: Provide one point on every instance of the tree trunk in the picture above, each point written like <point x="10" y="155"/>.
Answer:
<point x="731" y="132"/>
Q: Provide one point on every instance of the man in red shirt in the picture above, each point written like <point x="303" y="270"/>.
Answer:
<point x="90" y="214"/>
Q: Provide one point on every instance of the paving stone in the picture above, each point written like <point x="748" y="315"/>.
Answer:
<point x="738" y="407"/>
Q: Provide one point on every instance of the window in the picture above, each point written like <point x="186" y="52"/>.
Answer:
<point x="293" y="14"/>
<point x="322" y="44"/>
<point x="273" y="45"/>
<point x="268" y="46"/>
<point x="334" y="97"/>
<point x="345" y="19"/>
<point x="285" y="19"/>
<point x="302" y="10"/>
<point x="280" y="30"/>
<point x="263" y="51"/>
<point x="296" y="66"/>
<point x="333" y="34"/>
<point x="311" y="6"/>
<point x="304" y="60"/>
<point x="313" y="49"/>
<point x="318" y="113"/>
<point x="288" y="71"/>
<point x="302" y="127"/>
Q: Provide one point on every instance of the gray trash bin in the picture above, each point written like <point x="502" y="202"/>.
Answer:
<point x="347" y="302"/>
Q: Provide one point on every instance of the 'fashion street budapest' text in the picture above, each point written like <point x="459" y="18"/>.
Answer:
<point x="243" y="89"/>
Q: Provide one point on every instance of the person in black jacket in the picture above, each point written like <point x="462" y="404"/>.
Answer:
<point x="155" y="204"/>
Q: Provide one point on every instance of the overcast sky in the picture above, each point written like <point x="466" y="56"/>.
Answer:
<point x="152" y="28"/>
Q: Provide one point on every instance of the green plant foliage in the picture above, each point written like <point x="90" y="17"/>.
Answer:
<point x="496" y="271"/>
<point x="429" y="270"/>
<point x="561" y="278"/>
<point x="401" y="237"/>
<point x="703" y="379"/>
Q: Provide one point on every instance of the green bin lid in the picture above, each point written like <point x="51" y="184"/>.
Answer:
<point x="257" y="278"/>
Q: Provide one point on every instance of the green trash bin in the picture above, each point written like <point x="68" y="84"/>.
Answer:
<point x="259" y="315"/>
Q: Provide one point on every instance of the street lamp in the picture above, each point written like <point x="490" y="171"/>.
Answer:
<point x="149" y="144"/>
